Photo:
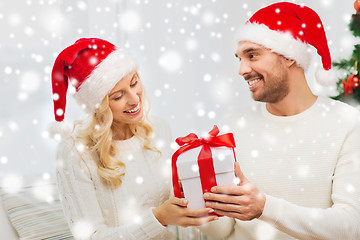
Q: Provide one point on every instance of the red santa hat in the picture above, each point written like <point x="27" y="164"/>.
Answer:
<point x="288" y="29"/>
<point x="93" y="67"/>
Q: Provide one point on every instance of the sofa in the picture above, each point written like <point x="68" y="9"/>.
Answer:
<point x="7" y="230"/>
<point x="30" y="209"/>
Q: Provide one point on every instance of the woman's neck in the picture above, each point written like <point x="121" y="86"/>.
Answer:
<point x="121" y="132"/>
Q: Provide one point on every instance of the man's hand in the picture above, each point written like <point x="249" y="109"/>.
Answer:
<point x="244" y="201"/>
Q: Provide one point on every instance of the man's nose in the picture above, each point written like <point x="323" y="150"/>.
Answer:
<point x="244" y="68"/>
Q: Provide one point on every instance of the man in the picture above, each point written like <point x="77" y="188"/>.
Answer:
<point x="299" y="153"/>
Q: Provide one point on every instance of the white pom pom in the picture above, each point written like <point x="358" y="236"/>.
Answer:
<point x="326" y="78"/>
<point x="59" y="131"/>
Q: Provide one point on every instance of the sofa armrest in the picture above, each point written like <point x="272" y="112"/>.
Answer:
<point x="7" y="230"/>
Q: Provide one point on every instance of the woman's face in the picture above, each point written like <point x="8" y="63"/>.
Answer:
<point x="125" y="100"/>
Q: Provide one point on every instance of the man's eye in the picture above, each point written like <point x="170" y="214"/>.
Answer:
<point x="252" y="56"/>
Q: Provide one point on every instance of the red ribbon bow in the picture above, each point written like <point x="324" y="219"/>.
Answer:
<point x="205" y="163"/>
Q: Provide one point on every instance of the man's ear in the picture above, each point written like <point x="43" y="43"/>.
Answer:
<point x="289" y="62"/>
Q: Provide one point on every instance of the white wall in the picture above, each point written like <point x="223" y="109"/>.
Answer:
<point x="185" y="49"/>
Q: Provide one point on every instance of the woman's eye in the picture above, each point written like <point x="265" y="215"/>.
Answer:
<point x="133" y="84"/>
<point x="117" y="98"/>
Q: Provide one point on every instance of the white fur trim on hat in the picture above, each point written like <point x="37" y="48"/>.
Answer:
<point x="326" y="78"/>
<point x="103" y="78"/>
<point x="278" y="42"/>
<point x="60" y="131"/>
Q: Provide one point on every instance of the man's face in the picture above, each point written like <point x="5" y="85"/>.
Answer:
<point x="264" y="71"/>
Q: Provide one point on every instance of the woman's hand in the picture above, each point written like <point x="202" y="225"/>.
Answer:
<point x="175" y="212"/>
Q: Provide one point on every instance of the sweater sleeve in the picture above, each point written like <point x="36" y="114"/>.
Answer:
<point x="342" y="219"/>
<point x="82" y="209"/>
<point x="218" y="229"/>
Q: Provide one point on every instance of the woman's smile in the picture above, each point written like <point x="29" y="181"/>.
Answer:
<point x="134" y="110"/>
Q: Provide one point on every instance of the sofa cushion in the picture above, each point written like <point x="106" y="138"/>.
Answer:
<point x="35" y="211"/>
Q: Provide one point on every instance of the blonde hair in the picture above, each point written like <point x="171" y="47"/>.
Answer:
<point x="97" y="136"/>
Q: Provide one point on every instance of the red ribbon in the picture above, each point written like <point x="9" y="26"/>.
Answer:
<point x="205" y="162"/>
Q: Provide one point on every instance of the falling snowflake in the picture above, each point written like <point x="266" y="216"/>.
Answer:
<point x="191" y="44"/>
<point x="200" y="112"/>
<point x="43" y="191"/>
<point x="195" y="167"/>
<point x="8" y="70"/>
<point x="170" y="61"/>
<point x="303" y="170"/>
<point x="215" y="57"/>
<point x="12" y="183"/>
<point x="4" y="160"/>
<point x="236" y="181"/>
<point x="208" y="18"/>
<point x="130" y="157"/>
<point x="211" y="114"/>
<point x="13" y="126"/>
<point x="139" y="180"/>
<point x="254" y="153"/>
<point x="82" y="229"/>
<point x="160" y="143"/>
<point x="157" y="93"/>
<point x="130" y="21"/>
<point x="82" y="5"/>
<point x="30" y="81"/>
<point x="207" y="77"/>
<point x="241" y="123"/>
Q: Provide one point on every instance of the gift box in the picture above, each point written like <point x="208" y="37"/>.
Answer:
<point x="201" y="163"/>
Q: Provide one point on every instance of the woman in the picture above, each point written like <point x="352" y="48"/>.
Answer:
<point x="111" y="172"/>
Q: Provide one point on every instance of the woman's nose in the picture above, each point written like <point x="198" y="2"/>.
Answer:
<point x="133" y="98"/>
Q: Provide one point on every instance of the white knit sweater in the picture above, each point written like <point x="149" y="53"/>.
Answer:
<point x="308" y="165"/>
<point x="94" y="211"/>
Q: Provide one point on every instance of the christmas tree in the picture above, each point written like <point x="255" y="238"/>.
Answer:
<point x="349" y="88"/>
